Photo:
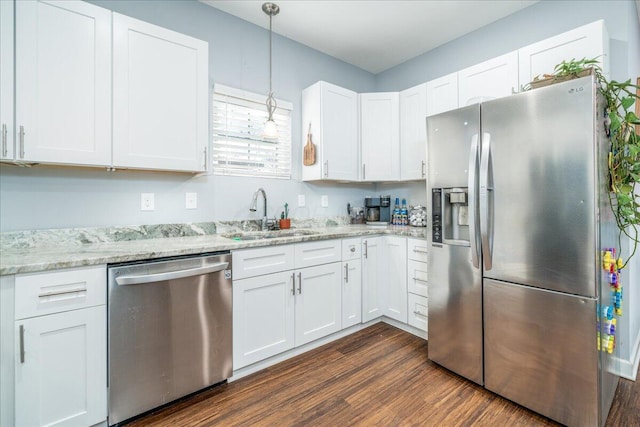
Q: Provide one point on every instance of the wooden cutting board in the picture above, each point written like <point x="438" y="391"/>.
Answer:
<point x="309" y="156"/>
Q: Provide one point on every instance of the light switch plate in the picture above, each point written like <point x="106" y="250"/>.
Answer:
<point x="324" y="201"/>
<point x="301" y="200"/>
<point x="147" y="202"/>
<point x="191" y="200"/>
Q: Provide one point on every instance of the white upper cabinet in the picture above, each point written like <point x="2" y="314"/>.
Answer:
<point x="413" y="133"/>
<point x="588" y="41"/>
<point x="442" y="94"/>
<point x="332" y="112"/>
<point x="160" y="93"/>
<point x="6" y="80"/>
<point x="495" y="78"/>
<point x="63" y="82"/>
<point x="380" y="136"/>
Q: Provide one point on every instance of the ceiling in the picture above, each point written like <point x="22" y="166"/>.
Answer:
<point x="374" y="35"/>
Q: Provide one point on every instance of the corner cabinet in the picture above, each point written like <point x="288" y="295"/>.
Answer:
<point x="413" y="133"/>
<point x="58" y="347"/>
<point x="63" y="83"/>
<point x="160" y="92"/>
<point x="332" y="114"/>
<point x="380" y="136"/>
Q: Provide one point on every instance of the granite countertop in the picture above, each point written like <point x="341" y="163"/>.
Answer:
<point x="33" y="251"/>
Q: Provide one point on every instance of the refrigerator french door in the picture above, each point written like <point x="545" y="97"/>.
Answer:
<point x="537" y="213"/>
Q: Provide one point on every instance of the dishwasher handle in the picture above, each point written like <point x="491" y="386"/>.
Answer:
<point x="170" y="275"/>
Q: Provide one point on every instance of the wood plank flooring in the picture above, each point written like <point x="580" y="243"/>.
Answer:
<point x="379" y="376"/>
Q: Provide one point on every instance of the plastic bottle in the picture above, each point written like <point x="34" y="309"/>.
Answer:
<point x="404" y="214"/>
<point x="395" y="218"/>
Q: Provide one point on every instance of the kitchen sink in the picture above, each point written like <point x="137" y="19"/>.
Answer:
<point x="259" y="235"/>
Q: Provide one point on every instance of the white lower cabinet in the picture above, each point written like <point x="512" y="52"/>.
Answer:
<point x="263" y="317"/>
<point x="276" y="312"/>
<point x="372" y="282"/>
<point x="54" y="348"/>
<point x="395" y="300"/>
<point x="60" y="376"/>
<point x="351" y="282"/>
<point x="418" y="312"/>
<point x="417" y="278"/>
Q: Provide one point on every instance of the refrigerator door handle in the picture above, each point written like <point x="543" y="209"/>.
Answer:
<point x="486" y="201"/>
<point x="472" y="191"/>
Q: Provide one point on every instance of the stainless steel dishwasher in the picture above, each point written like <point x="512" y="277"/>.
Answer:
<point x="169" y="331"/>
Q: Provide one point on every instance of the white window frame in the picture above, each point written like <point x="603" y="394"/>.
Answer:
<point x="237" y="145"/>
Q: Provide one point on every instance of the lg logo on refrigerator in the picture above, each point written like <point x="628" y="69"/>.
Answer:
<point x="576" y="90"/>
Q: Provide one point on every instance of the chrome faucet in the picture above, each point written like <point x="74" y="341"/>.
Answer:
<point x="254" y="206"/>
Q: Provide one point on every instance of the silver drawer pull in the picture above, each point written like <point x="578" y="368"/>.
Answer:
<point x="419" y="251"/>
<point x="56" y="293"/>
<point x="346" y="272"/>
<point x="419" y="313"/>
<point x="419" y="280"/>
<point x="171" y="275"/>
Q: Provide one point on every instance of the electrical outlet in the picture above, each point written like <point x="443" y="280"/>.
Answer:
<point x="324" y="201"/>
<point x="301" y="201"/>
<point x="191" y="200"/>
<point x="147" y="202"/>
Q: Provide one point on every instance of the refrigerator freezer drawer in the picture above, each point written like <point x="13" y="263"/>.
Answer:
<point x="540" y="350"/>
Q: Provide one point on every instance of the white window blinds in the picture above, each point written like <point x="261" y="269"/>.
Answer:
<point x="238" y="146"/>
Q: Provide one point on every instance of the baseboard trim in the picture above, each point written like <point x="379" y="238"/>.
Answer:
<point x="629" y="368"/>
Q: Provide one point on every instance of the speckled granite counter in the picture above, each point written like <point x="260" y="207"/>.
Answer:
<point x="33" y="251"/>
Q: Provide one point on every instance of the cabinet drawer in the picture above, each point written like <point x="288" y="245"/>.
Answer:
<point x="37" y="294"/>
<point x="417" y="277"/>
<point x="315" y="253"/>
<point x="418" y="311"/>
<point x="255" y="262"/>
<point x="351" y="249"/>
<point x="417" y="249"/>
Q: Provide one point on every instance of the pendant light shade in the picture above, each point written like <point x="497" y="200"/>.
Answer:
<point x="270" y="130"/>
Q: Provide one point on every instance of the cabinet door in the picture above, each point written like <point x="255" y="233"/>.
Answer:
<point x="395" y="250"/>
<point x="442" y="94"/>
<point x="380" y="136"/>
<point x="319" y="252"/>
<point x="588" y="41"/>
<point x="351" y="293"/>
<point x="318" y="302"/>
<point x="263" y="316"/>
<point x="417" y="277"/>
<point x="413" y="133"/>
<point x="63" y="82"/>
<point x="63" y="378"/>
<point x="160" y="92"/>
<point x="372" y="280"/>
<point x="418" y="315"/>
<point x="491" y="79"/>
<point x="339" y="133"/>
<point x="6" y="80"/>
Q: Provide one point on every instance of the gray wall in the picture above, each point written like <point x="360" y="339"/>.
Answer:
<point x="48" y="197"/>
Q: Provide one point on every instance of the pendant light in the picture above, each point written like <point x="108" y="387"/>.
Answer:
<point x="270" y="130"/>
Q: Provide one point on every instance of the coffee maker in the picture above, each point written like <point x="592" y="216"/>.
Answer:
<point x="377" y="210"/>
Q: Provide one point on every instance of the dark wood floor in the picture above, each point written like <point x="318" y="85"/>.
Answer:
<point x="378" y="376"/>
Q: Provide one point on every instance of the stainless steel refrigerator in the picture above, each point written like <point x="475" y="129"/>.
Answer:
<point x="517" y="192"/>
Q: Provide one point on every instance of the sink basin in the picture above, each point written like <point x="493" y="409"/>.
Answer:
<point x="259" y="235"/>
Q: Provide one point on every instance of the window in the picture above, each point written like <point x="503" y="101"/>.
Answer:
<point x="238" y="146"/>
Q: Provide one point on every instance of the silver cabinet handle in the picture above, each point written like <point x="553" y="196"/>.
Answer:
<point x="205" y="158"/>
<point x="68" y="291"/>
<point x="21" y="343"/>
<point x="419" y="313"/>
<point x="326" y="168"/>
<point x="420" y="251"/>
<point x="300" y="283"/>
<point x="364" y="170"/>
<point x="353" y="249"/>
<point x="4" y="140"/>
<point x="420" y="280"/>
<point x="366" y="249"/>
<point x="346" y="273"/>
<point x="21" y="142"/>
<point x="424" y="171"/>
<point x="472" y="197"/>
<point x="293" y="283"/>
<point x="171" y="275"/>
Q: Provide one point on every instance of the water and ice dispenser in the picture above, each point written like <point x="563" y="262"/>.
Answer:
<point x="450" y="216"/>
